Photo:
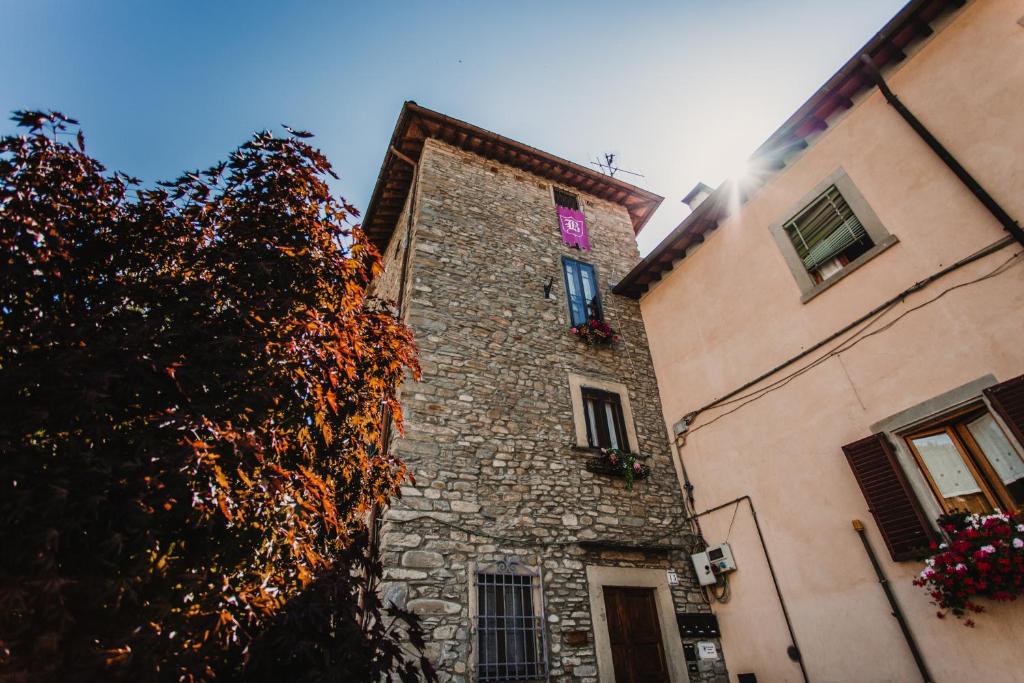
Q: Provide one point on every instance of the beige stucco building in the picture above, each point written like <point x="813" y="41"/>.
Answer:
<point x="908" y="325"/>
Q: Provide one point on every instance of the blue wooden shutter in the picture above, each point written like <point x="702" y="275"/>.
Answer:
<point x="588" y="279"/>
<point x="574" y="291"/>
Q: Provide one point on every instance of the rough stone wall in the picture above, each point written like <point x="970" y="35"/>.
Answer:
<point x="388" y="283"/>
<point x="489" y="428"/>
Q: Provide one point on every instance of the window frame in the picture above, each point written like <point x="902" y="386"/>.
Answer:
<point x="967" y="400"/>
<point x="595" y="302"/>
<point x="594" y="431"/>
<point x="974" y="457"/>
<point x="509" y="567"/>
<point x="555" y="191"/>
<point x="881" y="238"/>
<point x="576" y="385"/>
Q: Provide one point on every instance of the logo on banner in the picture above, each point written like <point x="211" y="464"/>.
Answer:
<point x="574" y="228"/>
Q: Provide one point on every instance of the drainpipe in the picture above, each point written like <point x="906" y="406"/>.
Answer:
<point x="793" y="651"/>
<point x="965" y="177"/>
<point x="896" y="611"/>
<point x="372" y="539"/>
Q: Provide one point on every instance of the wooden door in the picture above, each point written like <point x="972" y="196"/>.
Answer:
<point x="638" y="652"/>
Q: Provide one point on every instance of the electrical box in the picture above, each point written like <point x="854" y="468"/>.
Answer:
<point x="717" y="559"/>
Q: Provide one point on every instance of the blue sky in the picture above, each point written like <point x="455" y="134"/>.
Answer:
<point x="681" y="90"/>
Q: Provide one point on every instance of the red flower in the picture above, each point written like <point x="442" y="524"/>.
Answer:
<point x="980" y="560"/>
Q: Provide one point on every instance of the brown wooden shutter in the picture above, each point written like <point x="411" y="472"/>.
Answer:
<point x="1008" y="400"/>
<point x="892" y="502"/>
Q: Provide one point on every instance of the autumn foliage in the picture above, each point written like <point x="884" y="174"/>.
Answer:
<point x="194" y="388"/>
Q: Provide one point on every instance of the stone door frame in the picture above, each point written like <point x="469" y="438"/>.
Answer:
<point x="597" y="579"/>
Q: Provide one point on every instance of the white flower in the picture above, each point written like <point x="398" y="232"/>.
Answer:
<point x="1020" y="528"/>
<point x="1017" y="543"/>
<point x="960" y="567"/>
<point x="943" y="546"/>
<point x="927" y="574"/>
<point x="987" y="549"/>
<point x="930" y="562"/>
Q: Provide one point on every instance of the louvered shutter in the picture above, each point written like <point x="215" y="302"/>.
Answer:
<point x="824" y="229"/>
<point x="1008" y="400"/>
<point x="892" y="502"/>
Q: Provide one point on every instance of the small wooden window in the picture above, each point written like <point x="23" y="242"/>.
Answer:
<point x="581" y="291"/>
<point x="566" y="199"/>
<point x="969" y="463"/>
<point x="606" y="426"/>
<point x="827" y="235"/>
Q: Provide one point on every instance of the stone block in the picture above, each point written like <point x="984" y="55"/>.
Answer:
<point x="422" y="559"/>
<point x="433" y="606"/>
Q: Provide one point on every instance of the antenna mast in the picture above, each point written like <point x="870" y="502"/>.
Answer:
<point x="609" y="168"/>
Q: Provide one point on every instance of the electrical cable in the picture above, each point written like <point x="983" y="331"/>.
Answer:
<point x="735" y="509"/>
<point x="852" y="341"/>
<point x="726" y="592"/>
<point x="688" y="418"/>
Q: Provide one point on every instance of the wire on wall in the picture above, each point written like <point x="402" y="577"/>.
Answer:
<point x="857" y="337"/>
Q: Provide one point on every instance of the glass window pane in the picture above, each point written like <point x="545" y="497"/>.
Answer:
<point x="570" y="278"/>
<point x="574" y="293"/>
<point x="1004" y="459"/>
<point x="587" y="275"/>
<point x="952" y="477"/>
<point x="612" y="424"/>
<point x="591" y="422"/>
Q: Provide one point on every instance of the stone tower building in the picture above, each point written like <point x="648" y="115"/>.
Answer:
<point x="519" y="543"/>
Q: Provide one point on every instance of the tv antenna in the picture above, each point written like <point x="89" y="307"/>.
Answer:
<point x="609" y="168"/>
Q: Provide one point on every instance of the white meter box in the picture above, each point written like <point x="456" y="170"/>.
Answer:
<point x="717" y="559"/>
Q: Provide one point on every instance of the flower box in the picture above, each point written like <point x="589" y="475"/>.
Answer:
<point x="595" y="332"/>
<point x="613" y="462"/>
<point x="984" y="557"/>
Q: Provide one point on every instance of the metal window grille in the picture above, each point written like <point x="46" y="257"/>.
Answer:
<point x="510" y="630"/>
<point x="567" y="200"/>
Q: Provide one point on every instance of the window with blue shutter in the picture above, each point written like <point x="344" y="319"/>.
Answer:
<point x="581" y="291"/>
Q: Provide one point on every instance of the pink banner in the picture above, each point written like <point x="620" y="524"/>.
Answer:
<point x="574" y="228"/>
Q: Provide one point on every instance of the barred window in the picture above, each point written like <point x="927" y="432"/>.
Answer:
<point x="566" y="199"/>
<point x="510" y="627"/>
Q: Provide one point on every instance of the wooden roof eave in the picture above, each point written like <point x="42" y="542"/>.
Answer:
<point x="885" y="47"/>
<point x="416" y="124"/>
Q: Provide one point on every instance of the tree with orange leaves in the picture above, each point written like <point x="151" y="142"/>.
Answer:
<point x="194" y="388"/>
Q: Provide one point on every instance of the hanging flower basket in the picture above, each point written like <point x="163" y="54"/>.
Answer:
<point x="983" y="558"/>
<point x="614" y="462"/>
<point x="596" y="332"/>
